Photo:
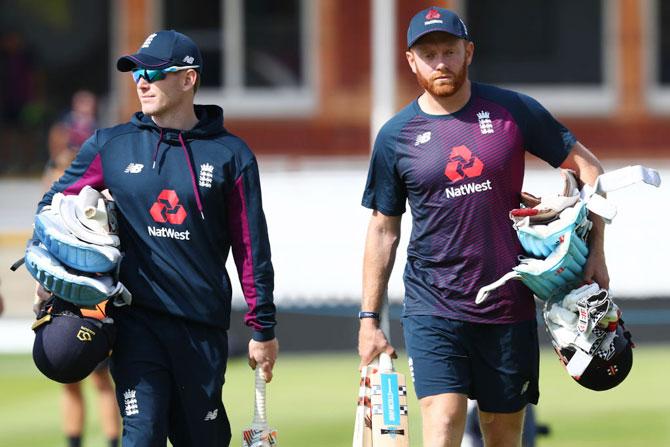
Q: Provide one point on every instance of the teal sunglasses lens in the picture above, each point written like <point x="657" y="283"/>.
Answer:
<point x="149" y="75"/>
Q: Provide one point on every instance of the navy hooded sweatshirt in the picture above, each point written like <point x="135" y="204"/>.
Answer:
<point x="184" y="199"/>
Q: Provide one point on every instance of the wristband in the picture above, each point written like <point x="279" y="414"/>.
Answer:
<point x="374" y="315"/>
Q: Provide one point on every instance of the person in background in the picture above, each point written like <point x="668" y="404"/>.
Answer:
<point x="73" y="404"/>
<point x="68" y="134"/>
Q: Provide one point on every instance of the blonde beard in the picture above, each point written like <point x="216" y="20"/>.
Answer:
<point x="444" y="90"/>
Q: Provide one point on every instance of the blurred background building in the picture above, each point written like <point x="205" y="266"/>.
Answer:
<point x="296" y="81"/>
<point x="294" y="76"/>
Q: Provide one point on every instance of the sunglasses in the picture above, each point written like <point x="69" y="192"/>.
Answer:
<point x="157" y="75"/>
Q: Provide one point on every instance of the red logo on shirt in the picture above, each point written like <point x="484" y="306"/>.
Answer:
<point x="432" y="14"/>
<point x="167" y="208"/>
<point x="462" y="163"/>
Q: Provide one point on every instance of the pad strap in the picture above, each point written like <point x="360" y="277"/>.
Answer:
<point x="486" y="290"/>
<point x="613" y="180"/>
<point x="542" y="229"/>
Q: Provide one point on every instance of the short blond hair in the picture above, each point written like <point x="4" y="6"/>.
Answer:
<point x="197" y="83"/>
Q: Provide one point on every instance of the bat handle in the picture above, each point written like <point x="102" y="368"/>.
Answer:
<point x="260" y="417"/>
<point x="385" y="362"/>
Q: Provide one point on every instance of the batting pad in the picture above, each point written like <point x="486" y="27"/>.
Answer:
<point x="613" y="180"/>
<point x="71" y="251"/>
<point x="541" y="240"/>
<point x="554" y="276"/>
<point x="555" y="228"/>
<point x="560" y="272"/>
<point x="55" y="277"/>
<point x="86" y="215"/>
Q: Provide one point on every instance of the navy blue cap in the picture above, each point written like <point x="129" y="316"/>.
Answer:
<point x="435" y="19"/>
<point x="68" y="346"/>
<point x="163" y="49"/>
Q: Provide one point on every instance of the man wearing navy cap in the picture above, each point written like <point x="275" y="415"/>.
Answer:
<point x="187" y="192"/>
<point x="456" y="153"/>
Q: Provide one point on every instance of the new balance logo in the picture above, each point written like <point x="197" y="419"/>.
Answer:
<point x="211" y="415"/>
<point x="130" y="403"/>
<point x="148" y="41"/>
<point x="206" y="175"/>
<point x="422" y="138"/>
<point x="134" y="168"/>
<point x="167" y="208"/>
<point x="485" y="124"/>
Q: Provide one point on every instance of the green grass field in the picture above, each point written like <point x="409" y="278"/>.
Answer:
<point x="312" y="403"/>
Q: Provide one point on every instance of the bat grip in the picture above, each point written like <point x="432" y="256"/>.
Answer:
<point x="260" y="417"/>
<point x="385" y="362"/>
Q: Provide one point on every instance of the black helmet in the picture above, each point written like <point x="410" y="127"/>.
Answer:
<point x="601" y="374"/>
<point x="589" y="337"/>
<point x="68" y="346"/>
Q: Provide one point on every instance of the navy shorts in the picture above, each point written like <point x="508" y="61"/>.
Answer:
<point x="496" y="364"/>
<point x="168" y="374"/>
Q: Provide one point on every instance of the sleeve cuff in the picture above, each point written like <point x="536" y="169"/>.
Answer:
<point x="370" y="204"/>
<point x="263" y="335"/>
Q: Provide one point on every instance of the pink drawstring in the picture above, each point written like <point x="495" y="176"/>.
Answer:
<point x="190" y="168"/>
<point x="160" y="138"/>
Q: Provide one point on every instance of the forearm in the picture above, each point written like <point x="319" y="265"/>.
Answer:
<point x="380" y="250"/>
<point x="584" y="163"/>
<point x="597" y="234"/>
<point x="588" y="168"/>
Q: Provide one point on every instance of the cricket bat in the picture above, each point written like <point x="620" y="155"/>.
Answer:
<point x="259" y="434"/>
<point x="389" y="405"/>
<point x="363" y="422"/>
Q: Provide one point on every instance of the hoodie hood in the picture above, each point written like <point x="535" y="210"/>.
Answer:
<point x="210" y="123"/>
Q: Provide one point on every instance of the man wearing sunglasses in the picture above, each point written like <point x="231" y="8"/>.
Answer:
<point x="187" y="191"/>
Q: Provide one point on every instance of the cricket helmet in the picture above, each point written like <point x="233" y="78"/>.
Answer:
<point x="603" y="374"/>
<point x="590" y="338"/>
<point x="68" y="346"/>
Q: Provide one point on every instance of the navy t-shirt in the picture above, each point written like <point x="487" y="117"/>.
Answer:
<point x="462" y="173"/>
